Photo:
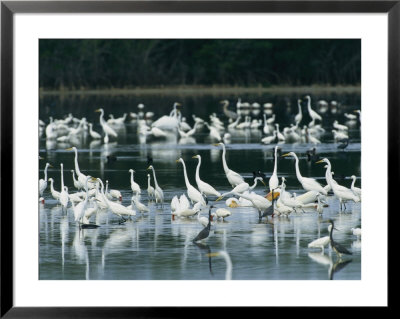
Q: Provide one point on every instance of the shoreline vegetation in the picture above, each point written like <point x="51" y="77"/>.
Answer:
<point x="204" y="90"/>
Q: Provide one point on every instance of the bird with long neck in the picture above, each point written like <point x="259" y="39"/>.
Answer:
<point x="273" y="181"/>
<point x="233" y="177"/>
<point x="158" y="192"/>
<point x="64" y="193"/>
<point x="43" y="182"/>
<point x="309" y="184"/>
<point x="205" y="188"/>
<point x="193" y="193"/>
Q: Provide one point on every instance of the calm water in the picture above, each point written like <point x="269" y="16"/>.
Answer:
<point x="153" y="246"/>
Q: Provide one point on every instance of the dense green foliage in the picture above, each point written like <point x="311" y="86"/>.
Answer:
<point x="98" y="64"/>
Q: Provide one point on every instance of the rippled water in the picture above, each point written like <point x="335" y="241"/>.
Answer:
<point x="153" y="246"/>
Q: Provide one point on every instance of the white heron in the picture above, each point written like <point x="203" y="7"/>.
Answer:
<point x="54" y="193"/>
<point x="204" y="187"/>
<point x="81" y="177"/>
<point x="241" y="188"/>
<point x="314" y="115"/>
<point x="273" y="181"/>
<point x="79" y="210"/>
<point x="106" y="128"/>
<point x="158" y="192"/>
<point x="356" y="190"/>
<point x="64" y="198"/>
<point x="233" y="177"/>
<point x="299" y="116"/>
<point x="193" y="193"/>
<point x="134" y="186"/>
<point x="150" y="189"/>
<point x="321" y="242"/>
<point x="214" y="133"/>
<point x="43" y="182"/>
<point x="92" y="133"/>
<point x="309" y="184"/>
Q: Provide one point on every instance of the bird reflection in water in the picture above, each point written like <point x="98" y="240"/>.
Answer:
<point x="326" y="260"/>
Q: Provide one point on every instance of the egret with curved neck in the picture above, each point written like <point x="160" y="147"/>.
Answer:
<point x="233" y="177"/>
<point x="273" y="181"/>
<point x="158" y="192"/>
<point x="309" y="184"/>
<point x="193" y="193"/>
<point x="205" y="188"/>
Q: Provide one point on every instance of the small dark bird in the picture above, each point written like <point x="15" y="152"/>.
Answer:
<point x="339" y="249"/>
<point x="206" y="230"/>
<point x="89" y="226"/>
<point x="111" y="158"/>
<point x="149" y="160"/>
<point x="312" y="155"/>
<point x="270" y="210"/>
<point x="344" y="144"/>
<point x="259" y="174"/>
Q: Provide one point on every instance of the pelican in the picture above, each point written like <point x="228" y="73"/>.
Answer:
<point x="258" y="201"/>
<point x="205" y="189"/>
<point x="241" y="188"/>
<point x="233" y="177"/>
<point x="309" y="184"/>
<point x="193" y="193"/>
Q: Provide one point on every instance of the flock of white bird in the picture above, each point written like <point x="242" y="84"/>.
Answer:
<point x="93" y="196"/>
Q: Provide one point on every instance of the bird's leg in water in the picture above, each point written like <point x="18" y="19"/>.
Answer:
<point x="122" y="221"/>
<point x="206" y="199"/>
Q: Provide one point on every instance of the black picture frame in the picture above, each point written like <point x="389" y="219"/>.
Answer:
<point x="9" y="8"/>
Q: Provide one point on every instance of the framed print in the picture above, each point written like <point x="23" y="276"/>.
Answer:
<point x="160" y="155"/>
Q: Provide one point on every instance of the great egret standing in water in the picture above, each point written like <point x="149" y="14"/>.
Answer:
<point x="158" y="192"/>
<point x="193" y="193"/>
<point x="233" y="177"/>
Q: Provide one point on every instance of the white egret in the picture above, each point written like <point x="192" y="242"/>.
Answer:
<point x="205" y="188"/>
<point x="64" y="191"/>
<point x="270" y="139"/>
<point x="242" y="187"/>
<point x="183" y="209"/>
<point x="214" y="134"/>
<point x="79" y="210"/>
<point x="170" y="122"/>
<point x="54" y="193"/>
<point x="259" y="202"/>
<point x="299" y="116"/>
<point x="115" y="208"/>
<point x="43" y="182"/>
<point x="113" y="193"/>
<point x="340" y="127"/>
<point x="140" y="206"/>
<point x="344" y="194"/>
<point x="314" y="115"/>
<point x="287" y="199"/>
<point x="356" y="190"/>
<point x="76" y="182"/>
<point x="158" y="192"/>
<point x="222" y="213"/>
<point x="309" y="184"/>
<point x="106" y="128"/>
<point x="193" y="193"/>
<point x="92" y="133"/>
<point x="134" y="186"/>
<point x="233" y="177"/>
<point x="81" y="177"/>
<point x="273" y="181"/>
<point x="321" y="242"/>
<point x="150" y="189"/>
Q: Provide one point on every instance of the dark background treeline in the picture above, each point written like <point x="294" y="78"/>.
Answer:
<point x="100" y="64"/>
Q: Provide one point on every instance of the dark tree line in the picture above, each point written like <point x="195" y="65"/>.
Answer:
<point x="97" y="64"/>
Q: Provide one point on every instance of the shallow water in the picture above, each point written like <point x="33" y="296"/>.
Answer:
<point x="152" y="246"/>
